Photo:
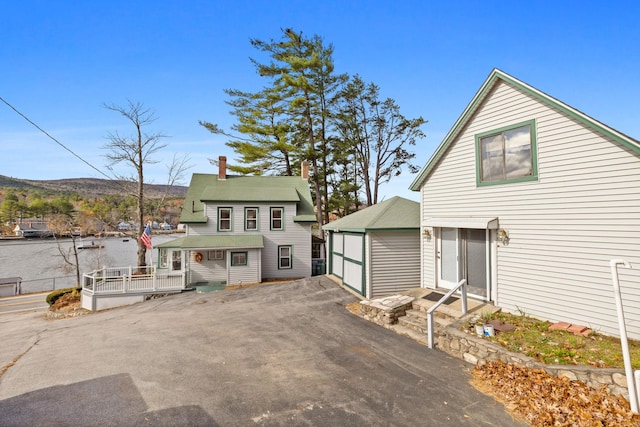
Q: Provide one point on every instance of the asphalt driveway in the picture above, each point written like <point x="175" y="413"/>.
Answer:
<point x="271" y="355"/>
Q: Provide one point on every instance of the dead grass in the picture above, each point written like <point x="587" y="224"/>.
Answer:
<point x="556" y="347"/>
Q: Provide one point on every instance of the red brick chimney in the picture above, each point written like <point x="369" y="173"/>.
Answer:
<point x="222" y="167"/>
<point x="304" y="167"/>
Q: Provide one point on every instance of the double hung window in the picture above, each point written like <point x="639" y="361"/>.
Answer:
<point x="284" y="257"/>
<point x="224" y="219"/>
<point x="251" y="219"/>
<point x="277" y="218"/>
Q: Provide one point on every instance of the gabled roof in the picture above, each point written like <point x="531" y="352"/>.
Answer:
<point x="494" y="77"/>
<point x="207" y="188"/>
<point x="397" y="213"/>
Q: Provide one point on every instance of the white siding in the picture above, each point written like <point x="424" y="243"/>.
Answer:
<point x="249" y="273"/>
<point x="394" y="262"/>
<point x="583" y="210"/>
<point x="207" y="270"/>
<point x="298" y="235"/>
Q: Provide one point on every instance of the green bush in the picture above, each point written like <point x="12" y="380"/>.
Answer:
<point x="53" y="296"/>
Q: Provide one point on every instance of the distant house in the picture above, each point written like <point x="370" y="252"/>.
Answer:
<point x="33" y="228"/>
<point x="124" y="226"/>
<point x="243" y="229"/>
<point x="529" y="199"/>
<point x="376" y="251"/>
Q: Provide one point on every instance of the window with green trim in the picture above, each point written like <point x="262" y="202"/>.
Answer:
<point x="224" y="219"/>
<point x="507" y="154"/>
<point x="285" y="257"/>
<point x="277" y="218"/>
<point x="238" y="259"/>
<point x="251" y="219"/>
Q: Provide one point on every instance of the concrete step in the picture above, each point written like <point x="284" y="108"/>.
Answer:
<point x="417" y="321"/>
<point x="410" y="333"/>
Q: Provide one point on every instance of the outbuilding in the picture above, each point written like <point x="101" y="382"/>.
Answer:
<point x="376" y="251"/>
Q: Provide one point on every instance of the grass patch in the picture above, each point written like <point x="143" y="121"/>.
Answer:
<point x="533" y="338"/>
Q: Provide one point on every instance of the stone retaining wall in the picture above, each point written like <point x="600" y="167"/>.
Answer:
<point x="478" y="350"/>
<point x="386" y="311"/>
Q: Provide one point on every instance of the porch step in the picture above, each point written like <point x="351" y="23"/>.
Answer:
<point x="410" y="333"/>
<point x="417" y="321"/>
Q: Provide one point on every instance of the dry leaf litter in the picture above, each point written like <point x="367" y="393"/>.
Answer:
<point x="540" y="399"/>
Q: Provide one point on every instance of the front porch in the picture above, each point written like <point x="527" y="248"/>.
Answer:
<point x="113" y="287"/>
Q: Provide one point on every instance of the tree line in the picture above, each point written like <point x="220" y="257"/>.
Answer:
<point x="354" y="140"/>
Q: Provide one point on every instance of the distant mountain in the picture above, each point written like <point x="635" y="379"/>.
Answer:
<point x="91" y="187"/>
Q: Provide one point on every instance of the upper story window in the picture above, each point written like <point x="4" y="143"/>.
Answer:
<point x="277" y="218"/>
<point x="251" y="219"/>
<point x="224" y="219"/>
<point x="507" y="154"/>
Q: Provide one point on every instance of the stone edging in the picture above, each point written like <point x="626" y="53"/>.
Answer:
<point x="477" y="350"/>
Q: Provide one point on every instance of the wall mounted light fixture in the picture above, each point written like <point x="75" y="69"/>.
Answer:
<point x="503" y="236"/>
<point x="426" y="233"/>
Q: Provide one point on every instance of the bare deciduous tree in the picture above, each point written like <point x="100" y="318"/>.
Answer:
<point x="136" y="150"/>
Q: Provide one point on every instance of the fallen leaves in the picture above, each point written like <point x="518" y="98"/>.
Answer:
<point x="534" y="396"/>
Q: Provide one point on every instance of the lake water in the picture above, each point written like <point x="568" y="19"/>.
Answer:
<point x="39" y="263"/>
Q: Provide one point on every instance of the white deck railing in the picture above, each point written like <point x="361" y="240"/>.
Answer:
<point x="130" y="280"/>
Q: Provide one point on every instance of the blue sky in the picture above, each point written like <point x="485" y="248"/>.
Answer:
<point x="62" y="60"/>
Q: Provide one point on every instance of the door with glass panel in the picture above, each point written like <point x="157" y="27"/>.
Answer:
<point x="463" y="254"/>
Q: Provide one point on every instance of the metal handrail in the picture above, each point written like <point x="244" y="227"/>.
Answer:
<point x="462" y="284"/>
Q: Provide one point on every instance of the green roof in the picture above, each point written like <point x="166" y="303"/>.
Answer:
<point x="216" y="242"/>
<point x="207" y="188"/>
<point x="397" y="213"/>
<point x="495" y="76"/>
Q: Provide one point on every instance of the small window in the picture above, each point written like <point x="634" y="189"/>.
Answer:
<point x="238" y="259"/>
<point x="277" y="218"/>
<point x="284" y="257"/>
<point x="163" y="258"/>
<point x="215" y="255"/>
<point x="224" y="219"/>
<point x="507" y="154"/>
<point x="251" y="219"/>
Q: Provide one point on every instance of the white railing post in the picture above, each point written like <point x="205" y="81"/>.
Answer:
<point x="434" y="307"/>
<point x="628" y="368"/>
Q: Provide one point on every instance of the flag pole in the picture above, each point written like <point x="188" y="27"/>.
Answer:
<point x="151" y="250"/>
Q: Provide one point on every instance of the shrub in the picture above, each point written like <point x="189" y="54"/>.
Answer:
<point x="53" y="296"/>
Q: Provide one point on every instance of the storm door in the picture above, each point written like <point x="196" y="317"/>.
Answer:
<point x="463" y="253"/>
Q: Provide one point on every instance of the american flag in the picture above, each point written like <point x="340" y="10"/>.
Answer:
<point x="146" y="237"/>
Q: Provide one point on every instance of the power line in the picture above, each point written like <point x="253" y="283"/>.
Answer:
<point x="55" y="140"/>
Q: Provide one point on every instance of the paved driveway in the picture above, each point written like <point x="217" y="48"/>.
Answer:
<point x="282" y="354"/>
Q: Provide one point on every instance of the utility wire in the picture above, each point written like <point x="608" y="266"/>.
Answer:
<point x="55" y="140"/>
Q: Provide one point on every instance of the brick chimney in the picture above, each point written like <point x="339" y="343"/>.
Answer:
<point x="304" y="167"/>
<point x="222" y="167"/>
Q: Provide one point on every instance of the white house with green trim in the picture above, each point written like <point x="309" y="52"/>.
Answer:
<point x="529" y="199"/>
<point x="376" y="251"/>
<point x="243" y="229"/>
